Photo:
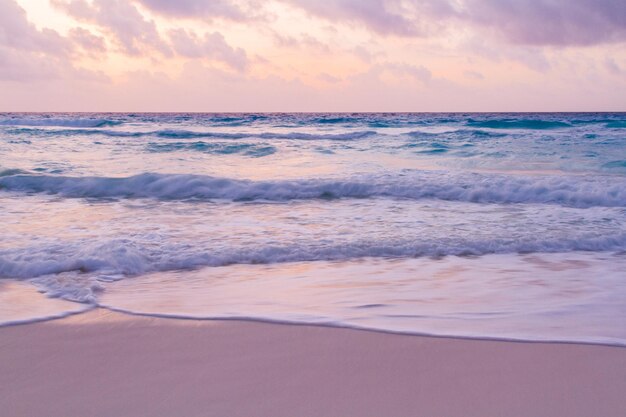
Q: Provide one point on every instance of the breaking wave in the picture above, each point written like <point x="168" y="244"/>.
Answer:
<point x="572" y="191"/>
<point x="124" y="256"/>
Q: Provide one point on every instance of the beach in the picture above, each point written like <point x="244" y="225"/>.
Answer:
<point x="101" y="363"/>
<point x="288" y="208"/>
<point x="312" y="265"/>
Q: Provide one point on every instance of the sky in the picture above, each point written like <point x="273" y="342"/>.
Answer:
<point x="312" y="55"/>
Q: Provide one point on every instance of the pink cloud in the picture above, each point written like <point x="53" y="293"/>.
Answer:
<point x="87" y="40"/>
<point x="121" y="18"/>
<point x="303" y="41"/>
<point x="550" y="22"/>
<point x="529" y="22"/>
<point x="473" y="75"/>
<point x="17" y="32"/>
<point x="377" y="15"/>
<point x="418" y="73"/>
<point x="197" y="8"/>
<point x="136" y="35"/>
<point x="30" y="54"/>
<point x="612" y="66"/>
<point x="212" y="46"/>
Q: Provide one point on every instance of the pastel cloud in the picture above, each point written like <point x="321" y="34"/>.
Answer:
<point x="197" y="8"/>
<point x="382" y="16"/>
<point x="135" y="34"/>
<point x="532" y="22"/>
<point x="87" y="40"/>
<point x="30" y="54"/>
<point x="212" y="46"/>
<point x="418" y="73"/>
<point x="17" y="32"/>
<point x="121" y="18"/>
<point x="550" y="22"/>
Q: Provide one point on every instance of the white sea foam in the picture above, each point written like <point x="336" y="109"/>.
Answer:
<point x="129" y="257"/>
<point x="573" y="191"/>
<point x="22" y="303"/>
<point x="545" y="297"/>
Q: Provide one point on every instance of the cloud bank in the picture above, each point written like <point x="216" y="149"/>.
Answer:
<point x="532" y="22"/>
<point x="406" y="54"/>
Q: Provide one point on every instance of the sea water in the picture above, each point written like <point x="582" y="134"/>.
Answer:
<point x="479" y="225"/>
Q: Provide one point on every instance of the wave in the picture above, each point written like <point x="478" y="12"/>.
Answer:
<point x="263" y="135"/>
<point x="74" y="132"/>
<point x="616" y="124"/>
<point x="518" y="124"/>
<point x="126" y="257"/>
<point x="330" y="119"/>
<point x="573" y="191"/>
<point x="189" y="134"/>
<point x="458" y="134"/>
<point x="216" y="148"/>
<point x="615" y="164"/>
<point x="10" y="172"/>
<point x="59" y="122"/>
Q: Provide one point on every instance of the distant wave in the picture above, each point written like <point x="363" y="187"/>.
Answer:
<point x="9" y="172"/>
<point x="616" y="124"/>
<point x="335" y="119"/>
<point x="189" y="134"/>
<point x="574" y="191"/>
<point x="518" y="124"/>
<point x="538" y="121"/>
<point x="124" y="256"/>
<point x="59" y="122"/>
<point x="216" y="148"/>
<point x="458" y="133"/>
<point x="615" y="164"/>
<point x="263" y="135"/>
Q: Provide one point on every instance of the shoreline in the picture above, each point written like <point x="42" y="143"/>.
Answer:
<point x="103" y="363"/>
<point x="254" y="320"/>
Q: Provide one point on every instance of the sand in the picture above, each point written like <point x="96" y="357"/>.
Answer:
<point x="107" y="364"/>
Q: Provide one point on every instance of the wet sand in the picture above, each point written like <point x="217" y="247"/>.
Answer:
<point x="108" y="364"/>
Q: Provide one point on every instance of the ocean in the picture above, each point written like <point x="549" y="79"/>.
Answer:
<point x="506" y="226"/>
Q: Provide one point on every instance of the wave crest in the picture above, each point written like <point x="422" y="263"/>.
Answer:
<point x="126" y="257"/>
<point x="190" y="134"/>
<point x="573" y="191"/>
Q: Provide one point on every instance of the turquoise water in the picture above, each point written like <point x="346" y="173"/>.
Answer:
<point x="482" y="225"/>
